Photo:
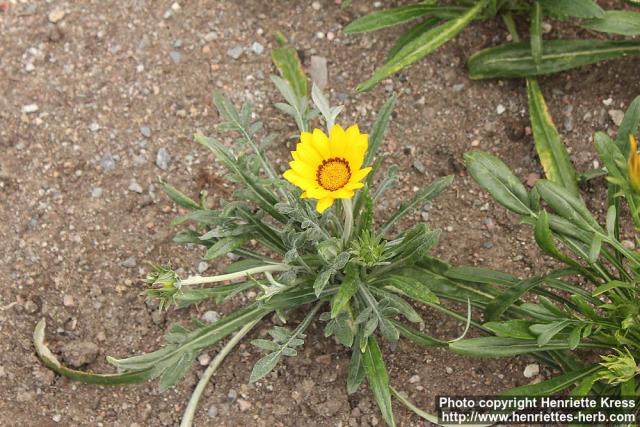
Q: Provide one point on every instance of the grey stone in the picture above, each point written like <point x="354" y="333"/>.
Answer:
<point x="202" y="267"/>
<point x="212" y="412"/>
<point x="31" y="108"/>
<point x="96" y="192"/>
<point x="135" y="187"/>
<point x="458" y="87"/>
<point x="94" y="127"/>
<point x="232" y="395"/>
<point x="419" y="166"/>
<point x="163" y="159"/>
<point x="257" y="48"/>
<point x="235" y="52"/>
<point x="129" y="262"/>
<point x="210" y="316"/>
<point x="318" y="71"/>
<point x="79" y="353"/>
<point x="108" y="162"/>
<point x="145" y="131"/>
<point x="175" y="56"/>
<point x="616" y="116"/>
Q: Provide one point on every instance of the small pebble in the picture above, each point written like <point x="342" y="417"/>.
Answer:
<point x="56" y="15"/>
<point x="244" y="405"/>
<point x="232" y="395"/>
<point x="96" y="192"/>
<point x="135" y="187"/>
<point x="616" y="116"/>
<point x="202" y="267"/>
<point x="210" y="316"/>
<point x="419" y="166"/>
<point x="320" y="35"/>
<point x="204" y="359"/>
<point x="531" y="370"/>
<point x="318" y="71"/>
<point x="316" y="5"/>
<point x="628" y="244"/>
<point x="94" y="127"/>
<point x="175" y="56"/>
<point x="56" y="418"/>
<point x="500" y="109"/>
<point x="414" y="379"/>
<point x="30" y="108"/>
<point x="212" y="412"/>
<point x="163" y="159"/>
<point x="257" y="48"/>
<point x="448" y="370"/>
<point x="145" y="131"/>
<point x="235" y="52"/>
<point x="107" y="162"/>
<point x="129" y="262"/>
<point x="67" y="301"/>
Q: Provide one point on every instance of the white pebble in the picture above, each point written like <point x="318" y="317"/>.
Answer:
<point x="531" y="370"/>
<point x="31" y="108"/>
<point x="316" y="5"/>
<point x="500" y="109"/>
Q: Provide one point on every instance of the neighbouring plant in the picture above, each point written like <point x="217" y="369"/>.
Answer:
<point x="439" y="23"/>
<point x="593" y="303"/>
<point x="299" y="253"/>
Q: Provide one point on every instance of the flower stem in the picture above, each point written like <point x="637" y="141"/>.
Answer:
<point x="190" y="411"/>
<point x="347" y="207"/>
<point x="198" y="280"/>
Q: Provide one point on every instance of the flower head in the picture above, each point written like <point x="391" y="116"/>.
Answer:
<point x="620" y="367"/>
<point x="633" y="164"/>
<point x="329" y="168"/>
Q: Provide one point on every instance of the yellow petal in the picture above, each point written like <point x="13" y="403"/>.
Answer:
<point x="343" y="193"/>
<point x="338" y="141"/>
<point x="303" y="169"/>
<point x="321" y="144"/>
<point x="323" y="204"/>
<point x="360" y="175"/>
<point x="353" y="185"/>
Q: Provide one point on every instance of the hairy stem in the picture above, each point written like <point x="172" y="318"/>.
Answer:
<point x="190" y="411"/>
<point x="348" y="219"/>
<point x="199" y="280"/>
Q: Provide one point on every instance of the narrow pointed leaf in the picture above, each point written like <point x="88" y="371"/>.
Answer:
<point x="378" y="380"/>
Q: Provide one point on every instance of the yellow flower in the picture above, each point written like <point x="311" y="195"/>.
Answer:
<point x="633" y="164"/>
<point x="329" y="168"/>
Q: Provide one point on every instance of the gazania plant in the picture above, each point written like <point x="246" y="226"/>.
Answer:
<point x="592" y="303"/>
<point x="308" y="247"/>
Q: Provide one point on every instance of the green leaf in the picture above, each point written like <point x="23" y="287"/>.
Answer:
<point x="264" y="366"/>
<point x="225" y="246"/>
<point x="516" y="60"/>
<point x="423" y="45"/>
<point x="503" y="301"/>
<point x="621" y="22"/>
<point x="411" y="287"/>
<point x="614" y="284"/>
<point x="629" y="125"/>
<point x="411" y="34"/>
<point x="378" y="129"/>
<point x="544" y="239"/>
<point x="347" y="290"/>
<point x="502" y="347"/>
<point x="387" y="18"/>
<point x="378" y="379"/>
<point x="554" y="385"/>
<point x="516" y="328"/>
<point x="498" y="180"/>
<point x="178" y="197"/>
<point x="594" y="248"/>
<point x="321" y="280"/>
<point x="480" y="275"/>
<point x="563" y="9"/>
<point x="574" y="337"/>
<point x="551" y="150"/>
<point x="546" y="331"/>
<point x="51" y="361"/>
<point x="356" y="371"/>
<point x="566" y="205"/>
<point x="286" y="60"/>
<point x="535" y="32"/>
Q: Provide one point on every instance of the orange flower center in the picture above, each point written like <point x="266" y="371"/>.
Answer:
<point x="333" y="174"/>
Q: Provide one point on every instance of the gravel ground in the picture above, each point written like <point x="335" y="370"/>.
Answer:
<point x="99" y="98"/>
